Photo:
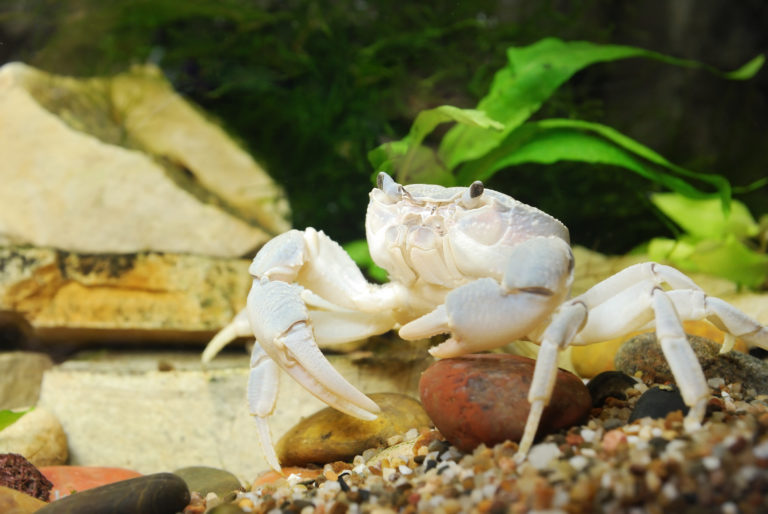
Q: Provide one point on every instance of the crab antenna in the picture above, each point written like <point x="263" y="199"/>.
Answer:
<point x="388" y="185"/>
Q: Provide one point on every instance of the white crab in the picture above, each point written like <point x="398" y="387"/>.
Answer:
<point x="471" y="262"/>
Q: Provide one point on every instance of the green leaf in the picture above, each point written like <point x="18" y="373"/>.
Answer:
<point x="704" y="219"/>
<point x="9" y="417"/>
<point x="550" y="141"/>
<point x="410" y="161"/>
<point x="533" y="74"/>
<point x="729" y="258"/>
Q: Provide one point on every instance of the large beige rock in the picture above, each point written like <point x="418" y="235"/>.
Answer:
<point x="20" y="376"/>
<point x="124" y="165"/>
<point x="121" y="297"/>
<point x="119" y="409"/>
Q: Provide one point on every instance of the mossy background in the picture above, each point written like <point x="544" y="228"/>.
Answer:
<point x="309" y="87"/>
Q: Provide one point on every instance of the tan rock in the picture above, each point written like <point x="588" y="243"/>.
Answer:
<point x="121" y="297"/>
<point x="125" y="165"/>
<point x="22" y="373"/>
<point x="330" y="435"/>
<point x="38" y="436"/>
<point x="16" y="502"/>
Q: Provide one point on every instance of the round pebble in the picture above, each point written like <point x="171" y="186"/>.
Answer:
<point x="483" y="398"/>
<point x="204" y="480"/>
<point x="609" y="384"/>
<point x="160" y="493"/>
<point x="330" y="435"/>
<point x="657" y="402"/>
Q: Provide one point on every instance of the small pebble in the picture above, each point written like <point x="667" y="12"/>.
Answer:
<point x="609" y="384"/>
<point x="657" y="402"/>
<point x="204" y="480"/>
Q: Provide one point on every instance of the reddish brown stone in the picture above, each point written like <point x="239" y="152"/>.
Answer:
<point x="16" y="472"/>
<point x="483" y="399"/>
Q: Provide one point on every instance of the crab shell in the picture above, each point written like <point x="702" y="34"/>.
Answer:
<point x="449" y="236"/>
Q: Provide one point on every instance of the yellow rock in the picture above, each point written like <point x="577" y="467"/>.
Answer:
<point x="16" y="502"/>
<point x="329" y="435"/>
<point x="592" y="359"/>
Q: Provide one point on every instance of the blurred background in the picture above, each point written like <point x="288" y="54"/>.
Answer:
<point x="310" y="87"/>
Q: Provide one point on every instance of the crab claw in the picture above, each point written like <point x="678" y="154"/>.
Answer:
<point x="280" y="322"/>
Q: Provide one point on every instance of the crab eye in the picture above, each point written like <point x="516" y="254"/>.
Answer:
<point x="471" y="198"/>
<point x="389" y="186"/>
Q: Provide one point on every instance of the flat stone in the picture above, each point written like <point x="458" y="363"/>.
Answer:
<point x="38" y="436"/>
<point x="68" y="479"/>
<point x="482" y="398"/>
<point x="122" y="165"/>
<point x="16" y="502"/>
<point x="330" y="435"/>
<point x="642" y="355"/>
<point x="22" y="374"/>
<point x="139" y="297"/>
<point x="205" y="479"/>
<point x="161" y="493"/>
<point x="189" y="415"/>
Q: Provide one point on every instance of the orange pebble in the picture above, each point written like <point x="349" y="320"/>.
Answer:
<point x="613" y="439"/>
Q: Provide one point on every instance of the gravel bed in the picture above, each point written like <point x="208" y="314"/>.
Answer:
<point x="605" y="465"/>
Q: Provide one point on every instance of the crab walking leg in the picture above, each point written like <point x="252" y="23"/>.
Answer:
<point x="695" y="305"/>
<point x="238" y="327"/>
<point x="263" y="381"/>
<point x="280" y="322"/>
<point x="637" y="273"/>
<point x="565" y="323"/>
<point x="681" y="358"/>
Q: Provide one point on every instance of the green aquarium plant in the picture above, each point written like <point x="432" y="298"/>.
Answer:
<point x="499" y="133"/>
<point x="729" y="243"/>
<point x="10" y="416"/>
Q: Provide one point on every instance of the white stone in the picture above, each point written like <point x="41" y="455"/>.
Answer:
<point x="75" y="179"/>
<point x="542" y="454"/>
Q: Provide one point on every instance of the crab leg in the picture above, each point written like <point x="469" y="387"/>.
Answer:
<point x="695" y="305"/>
<point x="682" y="360"/>
<point x="565" y="323"/>
<point x="263" y="381"/>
